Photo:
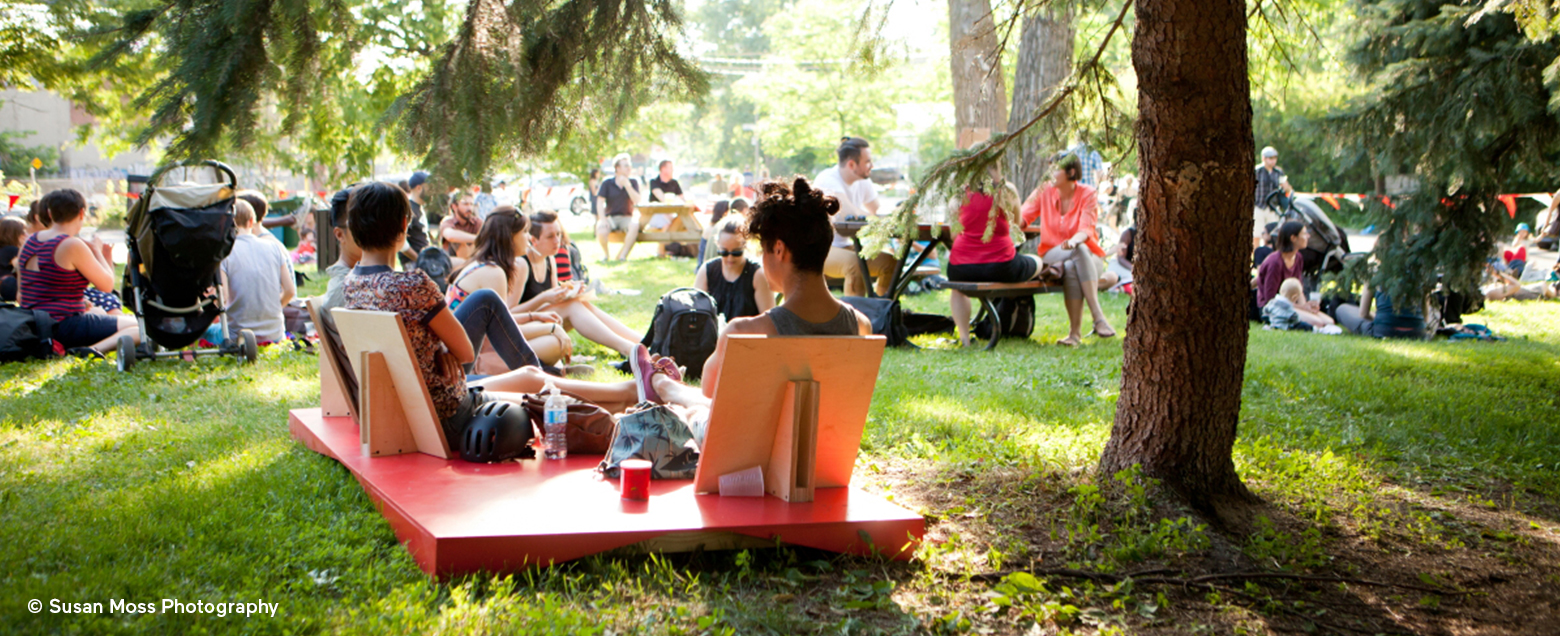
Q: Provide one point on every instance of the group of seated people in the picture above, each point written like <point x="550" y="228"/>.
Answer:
<point x="617" y="199"/>
<point x="1508" y="277"/>
<point x="791" y="224"/>
<point x="1067" y="212"/>
<point x="510" y="290"/>
<point x="48" y="267"/>
<point x="1282" y="302"/>
<point x="1281" y="299"/>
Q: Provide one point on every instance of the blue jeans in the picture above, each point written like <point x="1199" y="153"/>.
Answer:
<point x="485" y="316"/>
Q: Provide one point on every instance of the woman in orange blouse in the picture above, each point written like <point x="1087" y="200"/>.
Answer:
<point x="1067" y="211"/>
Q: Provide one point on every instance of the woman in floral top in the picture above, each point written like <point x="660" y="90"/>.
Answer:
<point x="377" y="215"/>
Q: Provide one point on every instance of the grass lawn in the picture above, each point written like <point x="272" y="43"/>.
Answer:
<point x="1431" y="466"/>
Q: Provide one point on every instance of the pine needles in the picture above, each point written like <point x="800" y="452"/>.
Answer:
<point x="517" y="76"/>
<point x="966" y="169"/>
<point x="1463" y="106"/>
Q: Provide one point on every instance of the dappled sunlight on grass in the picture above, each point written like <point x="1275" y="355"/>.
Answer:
<point x="21" y="380"/>
<point x="180" y="479"/>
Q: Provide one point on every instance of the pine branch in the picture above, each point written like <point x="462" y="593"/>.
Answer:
<point x="964" y="168"/>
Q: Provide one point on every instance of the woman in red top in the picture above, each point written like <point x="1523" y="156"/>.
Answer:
<point x="1067" y="211"/>
<point x="983" y="252"/>
<point x="55" y="267"/>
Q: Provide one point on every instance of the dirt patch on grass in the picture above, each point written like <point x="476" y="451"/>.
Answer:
<point x="1410" y="562"/>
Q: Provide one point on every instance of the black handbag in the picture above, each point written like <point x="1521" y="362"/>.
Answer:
<point x="886" y="318"/>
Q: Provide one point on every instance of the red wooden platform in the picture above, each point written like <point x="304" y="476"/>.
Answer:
<point x="457" y="517"/>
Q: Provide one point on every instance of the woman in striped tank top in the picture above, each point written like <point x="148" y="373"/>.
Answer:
<point x="55" y="267"/>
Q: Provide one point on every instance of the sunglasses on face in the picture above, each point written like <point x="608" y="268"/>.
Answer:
<point x="724" y="253"/>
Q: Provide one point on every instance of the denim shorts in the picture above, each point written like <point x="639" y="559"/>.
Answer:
<point x="84" y="330"/>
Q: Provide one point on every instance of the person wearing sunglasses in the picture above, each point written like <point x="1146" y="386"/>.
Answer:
<point x="736" y="282"/>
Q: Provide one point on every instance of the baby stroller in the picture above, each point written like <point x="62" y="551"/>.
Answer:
<point x="177" y="236"/>
<point x="1329" y="244"/>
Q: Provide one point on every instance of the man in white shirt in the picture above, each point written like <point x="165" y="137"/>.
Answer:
<point x="848" y="182"/>
<point x="257" y="280"/>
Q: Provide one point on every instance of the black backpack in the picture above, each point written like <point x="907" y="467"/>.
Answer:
<point x="1017" y="315"/>
<point x="437" y="265"/>
<point x="685" y="328"/>
<point x="887" y="318"/>
<point x="25" y="334"/>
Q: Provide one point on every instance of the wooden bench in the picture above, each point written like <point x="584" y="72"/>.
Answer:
<point x="985" y="292"/>
<point x="794" y="406"/>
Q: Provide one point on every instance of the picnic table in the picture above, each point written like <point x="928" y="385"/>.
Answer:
<point x="905" y="272"/>
<point x="691" y="230"/>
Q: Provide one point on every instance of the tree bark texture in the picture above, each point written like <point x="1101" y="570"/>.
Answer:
<point x="979" y="91"/>
<point x="1186" y="341"/>
<point x="1045" y="59"/>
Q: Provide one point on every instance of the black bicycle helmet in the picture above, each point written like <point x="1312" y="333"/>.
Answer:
<point x="498" y="431"/>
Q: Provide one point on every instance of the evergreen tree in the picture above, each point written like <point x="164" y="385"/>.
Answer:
<point x="1459" y="100"/>
<point x="514" y="78"/>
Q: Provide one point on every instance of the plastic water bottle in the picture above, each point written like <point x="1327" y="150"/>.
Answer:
<point x="555" y="422"/>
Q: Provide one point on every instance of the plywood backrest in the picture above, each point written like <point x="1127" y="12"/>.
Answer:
<point x="750" y="392"/>
<point x="338" y="382"/>
<point x="382" y="331"/>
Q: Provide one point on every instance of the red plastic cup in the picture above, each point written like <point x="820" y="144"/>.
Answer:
<point x="636" y="479"/>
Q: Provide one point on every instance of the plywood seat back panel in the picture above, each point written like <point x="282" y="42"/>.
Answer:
<point x="752" y="400"/>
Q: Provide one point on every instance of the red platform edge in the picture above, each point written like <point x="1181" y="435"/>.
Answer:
<point x="458" y="518"/>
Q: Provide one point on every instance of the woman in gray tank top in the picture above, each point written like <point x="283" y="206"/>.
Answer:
<point x="795" y="232"/>
<point x="790" y="324"/>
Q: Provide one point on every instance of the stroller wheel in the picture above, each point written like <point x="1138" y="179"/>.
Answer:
<point x="249" y="347"/>
<point x="126" y="352"/>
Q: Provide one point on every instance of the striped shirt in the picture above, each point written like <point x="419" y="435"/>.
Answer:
<point x="50" y="288"/>
<point x="565" y="266"/>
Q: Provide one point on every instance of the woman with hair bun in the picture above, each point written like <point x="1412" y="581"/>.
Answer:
<point x="792" y="224"/>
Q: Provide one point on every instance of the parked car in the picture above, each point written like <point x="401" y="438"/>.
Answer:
<point x="557" y="192"/>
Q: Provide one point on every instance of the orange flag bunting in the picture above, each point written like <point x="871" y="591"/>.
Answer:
<point x="1511" y="204"/>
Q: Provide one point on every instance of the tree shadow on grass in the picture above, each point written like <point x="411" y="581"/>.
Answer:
<point x="1004" y="519"/>
<point x="1465" y="416"/>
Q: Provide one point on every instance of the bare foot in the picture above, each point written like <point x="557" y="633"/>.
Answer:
<point x="1106" y="333"/>
<point x="1069" y="341"/>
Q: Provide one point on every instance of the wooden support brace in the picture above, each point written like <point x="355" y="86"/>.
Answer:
<point x="792" y="471"/>
<point x="333" y="398"/>
<point x="383" y="427"/>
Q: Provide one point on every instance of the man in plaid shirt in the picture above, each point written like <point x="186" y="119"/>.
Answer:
<point x="1271" y="178"/>
<point x="1093" y="163"/>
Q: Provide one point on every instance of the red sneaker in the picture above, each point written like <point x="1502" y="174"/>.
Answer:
<point x="643" y="370"/>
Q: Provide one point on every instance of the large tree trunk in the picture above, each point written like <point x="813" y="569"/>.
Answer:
<point x="1186" y="342"/>
<point x="1045" y="59"/>
<point x="979" y="93"/>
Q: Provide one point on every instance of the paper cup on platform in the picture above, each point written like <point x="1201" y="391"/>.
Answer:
<point x="636" y="479"/>
<point x="743" y="483"/>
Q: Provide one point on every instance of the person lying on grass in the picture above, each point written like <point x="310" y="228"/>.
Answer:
<point x="1503" y="286"/>
<point x="794" y="229"/>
